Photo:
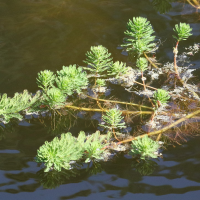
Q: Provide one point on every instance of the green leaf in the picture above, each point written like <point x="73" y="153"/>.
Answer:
<point x="54" y="97"/>
<point x="100" y="82"/>
<point x="11" y="107"/>
<point x="45" y="79"/>
<point x="113" y="119"/>
<point x="117" y="69"/>
<point x="140" y="39"/>
<point x="92" y="145"/>
<point x="142" y="64"/>
<point x="161" y="97"/>
<point x="58" y="153"/>
<point x="98" y="59"/>
<point x="71" y="79"/>
<point x="183" y="31"/>
<point x="145" y="147"/>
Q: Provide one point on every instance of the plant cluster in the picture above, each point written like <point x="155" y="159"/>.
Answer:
<point x="68" y="80"/>
<point x="63" y="152"/>
<point x="59" y="94"/>
<point x="145" y="147"/>
<point x="12" y="107"/>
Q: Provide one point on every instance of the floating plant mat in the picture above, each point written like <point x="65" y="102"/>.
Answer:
<point x="154" y="117"/>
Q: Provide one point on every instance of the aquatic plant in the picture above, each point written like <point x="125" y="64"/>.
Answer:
<point x="59" y="152"/>
<point x="183" y="31"/>
<point x="100" y="82"/>
<point x="161" y="97"/>
<point x="45" y="79"/>
<point x="113" y="119"/>
<point x="71" y="79"/>
<point x="98" y="60"/>
<point x="92" y="145"/>
<point x="54" y="97"/>
<point x="59" y="98"/>
<point x="140" y="38"/>
<point x="11" y="107"/>
<point x="117" y="69"/>
<point x="145" y="147"/>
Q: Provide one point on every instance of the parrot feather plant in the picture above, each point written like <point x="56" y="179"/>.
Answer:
<point x="68" y="91"/>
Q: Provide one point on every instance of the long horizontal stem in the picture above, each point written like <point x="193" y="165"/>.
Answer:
<point x="119" y="102"/>
<point x="164" y="129"/>
<point x="104" y="110"/>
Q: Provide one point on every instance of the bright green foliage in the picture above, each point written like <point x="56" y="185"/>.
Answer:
<point x="113" y="119"/>
<point x="161" y="96"/>
<point x="145" y="147"/>
<point x="140" y="37"/>
<point x="54" y="96"/>
<point x="142" y="64"/>
<point x="183" y="31"/>
<point x="100" y="82"/>
<point x="45" y="79"/>
<point x="59" y="152"/>
<point x="71" y="79"/>
<point x="99" y="59"/>
<point x="92" y="145"/>
<point x="10" y="107"/>
<point x="117" y="69"/>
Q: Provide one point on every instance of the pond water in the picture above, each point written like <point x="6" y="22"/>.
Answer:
<point x="47" y="34"/>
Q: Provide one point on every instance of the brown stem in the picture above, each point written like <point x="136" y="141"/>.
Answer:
<point x="113" y="130"/>
<point x="165" y="128"/>
<point x="119" y="102"/>
<point x="150" y="60"/>
<point x="197" y="4"/>
<point x="143" y="80"/>
<point x="104" y="110"/>
<point x="175" y="56"/>
<point x="145" y="85"/>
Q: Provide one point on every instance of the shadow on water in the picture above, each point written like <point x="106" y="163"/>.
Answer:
<point x="41" y="34"/>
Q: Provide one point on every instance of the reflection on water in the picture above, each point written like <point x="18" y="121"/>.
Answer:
<point x="47" y="34"/>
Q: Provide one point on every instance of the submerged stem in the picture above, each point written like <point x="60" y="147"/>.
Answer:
<point x="119" y="102"/>
<point x="164" y="129"/>
<point x="104" y="110"/>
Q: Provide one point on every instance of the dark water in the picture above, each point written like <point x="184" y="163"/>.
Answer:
<point x="47" y="34"/>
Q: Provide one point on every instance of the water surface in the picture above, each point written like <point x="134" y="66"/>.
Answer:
<point x="47" y="34"/>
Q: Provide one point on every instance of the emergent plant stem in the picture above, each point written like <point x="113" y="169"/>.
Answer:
<point x="175" y="56"/>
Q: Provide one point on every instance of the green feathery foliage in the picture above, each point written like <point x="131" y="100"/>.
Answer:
<point x="92" y="145"/>
<point x="100" y="82"/>
<point x="54" y="97"/>
<point x="142" y="64"/>
<point x="145" y="147"/>
<point x="59" y="152"/>
<point x="10" y="107"/>
<point x="71" y="79"/>
<point x="113" y="119"/>
<point x="45" y="79"/>
<point x="117" y="69"/>
<point x="183" y="31"/>
<point x="161" y="96"/>
<point x="99" y="60"/>
<point x="140" y="39"/>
